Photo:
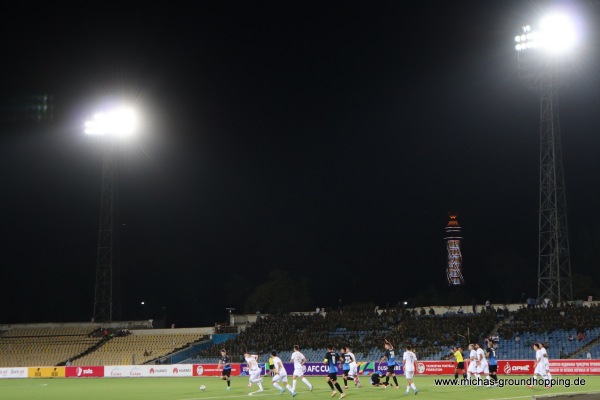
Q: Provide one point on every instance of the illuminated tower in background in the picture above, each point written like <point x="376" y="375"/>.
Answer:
<point x="453" y="238"/>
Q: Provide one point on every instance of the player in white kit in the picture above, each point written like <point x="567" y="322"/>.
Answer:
<point x="408" y="365"/>
<point x="298" y="359"/>
<point x="353" y="373"/>
<point x="253" y="371"/>
<point x="472" y="369"/>
<point x="482" y="366"/>
<point x="280" y="375"/>
<point x="546" y="363"/>
<point x="541" y="364"/>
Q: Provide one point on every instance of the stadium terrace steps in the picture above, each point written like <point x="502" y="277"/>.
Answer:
<point x="137" y="349"/>
<point x="51" y="346"/>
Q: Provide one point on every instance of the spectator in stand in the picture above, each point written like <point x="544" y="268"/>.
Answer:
<point x="362" y="329"/>
<point x="530" y="302"/>
<point x="488" y="305"/>
<point x="588" y="355"/>
<point x="431" y="311"/>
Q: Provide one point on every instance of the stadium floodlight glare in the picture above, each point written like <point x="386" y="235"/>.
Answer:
<point x="556" y="35"/>
<point x="119" y="122"/>
<point x="545" y="53"/>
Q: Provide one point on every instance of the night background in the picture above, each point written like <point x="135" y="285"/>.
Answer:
<point x="293" y="154"/>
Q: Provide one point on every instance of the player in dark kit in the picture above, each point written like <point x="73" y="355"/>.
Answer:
<point x="492" y="361"/>
<point x="346" y="359"/>
<point x="225" y="363"/>
<point x="376" y="379"/>
<point x="390" y="356"/>
<point x="331" y="360"/>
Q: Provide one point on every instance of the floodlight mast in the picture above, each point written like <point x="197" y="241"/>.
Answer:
<point x="542" y="65"/>
<point x="106" y="304"/>
<point x="114" y="125"/>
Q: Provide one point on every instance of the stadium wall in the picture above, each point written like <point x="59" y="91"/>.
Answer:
<point x="130" y="325"/>
<point x="222" y="337"/>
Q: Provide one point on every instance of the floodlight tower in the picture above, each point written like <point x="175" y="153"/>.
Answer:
<point x="113" y="126"/>
<point x="454" y="265"/>
<point x="543" y="56"/>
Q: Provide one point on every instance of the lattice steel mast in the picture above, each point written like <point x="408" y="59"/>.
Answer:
<point x="106" y="293"/>
<point x="541" y="63"/>
<point x="554" y="261"/>
<point x="114" y="127"/>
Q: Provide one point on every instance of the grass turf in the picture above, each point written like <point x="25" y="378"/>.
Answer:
<point x="188" y="389"/>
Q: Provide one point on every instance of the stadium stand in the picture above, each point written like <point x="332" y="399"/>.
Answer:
<point x="23" y="347"/>
<point x="88" y="344"/>
<point x="137" y="348"/>
<point x="566" y="331"/>
<point x="363" y="328"/>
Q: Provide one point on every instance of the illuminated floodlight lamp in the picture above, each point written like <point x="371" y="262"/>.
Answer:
<point x="119" y="122"/>
<point x="556" y="34"/>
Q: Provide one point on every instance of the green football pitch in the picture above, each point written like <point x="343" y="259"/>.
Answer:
<point x="188" y="389"/>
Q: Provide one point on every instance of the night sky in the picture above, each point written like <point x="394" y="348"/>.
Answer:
<point x="303" y="143"/>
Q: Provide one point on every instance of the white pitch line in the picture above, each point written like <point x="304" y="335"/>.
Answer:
<point x="245" y="396"/>
<point x="38" y="385"/>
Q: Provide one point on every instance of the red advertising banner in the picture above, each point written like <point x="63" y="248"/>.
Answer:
<point x="575" y="367"/>
<point x="515" y="367"/>
<point x="435" y="367"/>
<point x="84" y="372"/>
<point x="211" y="370"/>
